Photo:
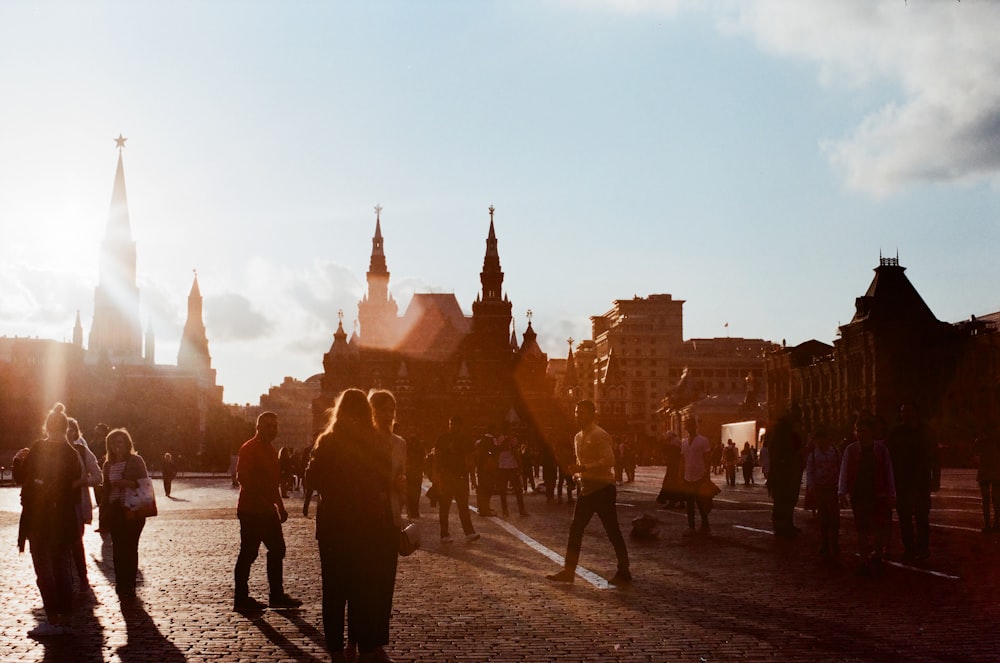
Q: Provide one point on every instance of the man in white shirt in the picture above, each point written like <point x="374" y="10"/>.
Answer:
<point x="594" y="472"/>
<point x="696" y="449"/>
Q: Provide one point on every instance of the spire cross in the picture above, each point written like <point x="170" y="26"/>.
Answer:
<point x="529" y="314"/>
<point x="120" y="142"/>
<point x="378" y="212"/>
<point x="491" y="213"/>
<point x="570" y="341"/>
<point x="340" y="314"/>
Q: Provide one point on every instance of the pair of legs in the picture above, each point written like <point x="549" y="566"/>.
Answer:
<point x="691" y="499"/>
<point x="990" y="492"/>
<point x="828" y="509"/>
<point x="454" y="488"/>
<point x="510" y="477"/>
<point x="255" y="530"/>
<point x="486" y="481"/>
<point x="601" y="502"/>
<point x="731" y="475"/>
<point x="914" y="513"/>
<point x="872" y="519"/>
<point x="785" y="494"/>
<point x="566" y="478"/>
<point x="53" y="562"/>
<point x="359" y="578"/>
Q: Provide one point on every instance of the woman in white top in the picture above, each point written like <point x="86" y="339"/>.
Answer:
<point x="90" y="475"/>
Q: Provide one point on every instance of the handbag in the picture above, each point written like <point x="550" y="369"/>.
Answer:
<point x="409" y="539"/>
<point x="140" y="502"/>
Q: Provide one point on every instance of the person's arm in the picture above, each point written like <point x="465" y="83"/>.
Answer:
<point x="93" y="469"/>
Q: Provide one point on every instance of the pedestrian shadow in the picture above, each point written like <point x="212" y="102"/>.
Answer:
<point x="304" y="627"/>
<point x="290" y="648"/>
<point x="176" y="499"/>
<point x="85" y="646"/>
<point x="144" y="640"/>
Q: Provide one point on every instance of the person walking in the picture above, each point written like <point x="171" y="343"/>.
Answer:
<point x="90" y="477"/>
<point x="917" y="474"/>
<point x="697" y="454"/>
<point x="784" y="446"/>
<point x="122" y="471"/>
<point x="352" y="470"/>
<point x="747" y="462"/>
<point x="987" y="450"/>
<point x="168" y="473"/>
<point x="730" y="456"/>
<point x="822" y="477"/>
<point x="452" y="461"/>
<point x="50" y="490"/>
<point x="509" y="469"/>
<point x="485" y="455"/>
<point x="261" y="513"/>
<point x="866" y="477"/>
<point x="594" y="469"/>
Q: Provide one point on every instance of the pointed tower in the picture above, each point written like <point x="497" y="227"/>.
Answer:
<point x="377" y="312"/>
<point x="193" y="354"/>
<point x="491" y="312"/>
<point x="115" y="332"/>
<point x="571" y="382"/>
<point x="78" y="332"/>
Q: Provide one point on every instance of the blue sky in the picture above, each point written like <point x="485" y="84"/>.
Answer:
<point x="752" y="158"/>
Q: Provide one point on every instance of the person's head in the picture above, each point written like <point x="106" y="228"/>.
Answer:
<point x="746" y="446"/>
<point x="72" y="429"/>
<point x="120" y="445"/>
<point x="101" y="432"/>
<point x="691" y="426"/>
<point x="821" y="438"/>
<point x="267" y="426"/>
<point x="585" y="413"/>
<point x="56" y="422"/>
<point x="351" y="409"/>
<point x="168" y="457"/>
<point x="865" y="428"/>
<point x="383" y="409"/>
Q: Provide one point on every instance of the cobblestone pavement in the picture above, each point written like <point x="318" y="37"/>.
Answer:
<point x="739" y="594"/>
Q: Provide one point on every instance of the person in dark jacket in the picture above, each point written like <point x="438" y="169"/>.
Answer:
<point x="358" y="540"/>
<point x="917" y="473"/>
<point x="51" y="481"/>
<point x="785" y="479"/>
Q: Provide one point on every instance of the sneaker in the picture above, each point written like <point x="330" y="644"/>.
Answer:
<point x="469" y="538"/>
<point x="446" y="539"/>
<point x="563" y="576"/>
<point x="248" y="604"/>
<point x="621" y="578"/>
<point x="47" y="630"/>
<point x="284" y="601"/>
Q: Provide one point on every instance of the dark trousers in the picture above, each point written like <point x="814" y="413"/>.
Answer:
<point x="413" y="484"/>
<point x="731" y="475"/>
<point x="80" y="561"/>
<point x="359" y="578"/>
<point x="567" y="478"/>
<point x="53" y="562"/>
<point x="691" y="498"/>
<point x="549" y="478"/>
<point x="167" y="483"/>
<point x="785" y="493"/>
<point x="828" y="510"/>
<point x="988" y="490"/>
<point x="914" y="509"/>
<point x="125" y="550"/>
<point x="485" y="487"/>
<point x="454" y="488"/>
<point x="601" y="502"/>
<point x="510" y="477"/>
<point x="255" y="530"/>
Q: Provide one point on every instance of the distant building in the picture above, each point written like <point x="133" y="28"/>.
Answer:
<point x="646" y="378"/>
<point x="894" y="350"/>
<point x="437" y="360"/>
<point x="113" y="380"/>
<point x="292" y="401"/>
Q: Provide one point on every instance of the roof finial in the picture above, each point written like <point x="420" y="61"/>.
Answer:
<point x="340" y="314"/>
<point x="529" y="314"/>
<point x="378" y="212"/>
<point x="491" y="213"/>
<point x="120" y="142"/>
<point x="570" y="342"/>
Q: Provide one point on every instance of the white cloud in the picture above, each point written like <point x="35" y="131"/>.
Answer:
<point x="938" y="60"/>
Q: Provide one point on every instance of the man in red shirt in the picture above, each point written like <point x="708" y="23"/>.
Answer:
<point x="261" y="513"/>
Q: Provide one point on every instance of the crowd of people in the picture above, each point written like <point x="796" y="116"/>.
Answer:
<point x="364" y="475"/>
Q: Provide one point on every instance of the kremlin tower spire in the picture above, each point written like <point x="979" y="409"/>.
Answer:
<point x="115" y="333"/>
<point x="491" y="312"/>
<point x="377" y="312"/>
<point x="193" y="354"/>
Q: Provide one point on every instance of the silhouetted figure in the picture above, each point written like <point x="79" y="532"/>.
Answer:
<point x="168" y="472"/>
<point x="595" y="469"/>
<point x="917" y="473"/>
<point x="784" y="446"/>
<point x="122" y="471"/>
<point x="987" y="449"/>
<point x="452" y="462"/>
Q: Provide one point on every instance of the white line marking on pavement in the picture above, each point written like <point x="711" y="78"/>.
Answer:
<point x="920" y="570"/>
<point x="591" y="577"/>
<point x="753" y="529"/>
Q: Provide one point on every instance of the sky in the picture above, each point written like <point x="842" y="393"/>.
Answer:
<point x="751" y="158"/>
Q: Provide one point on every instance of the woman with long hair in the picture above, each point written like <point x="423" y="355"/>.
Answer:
<point x="122" y="472"/>
<point x="358" y="540"/>
<point x="49" y="495"/>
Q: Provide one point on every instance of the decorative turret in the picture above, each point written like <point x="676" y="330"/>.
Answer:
<point x="377" y="311"/>
<point x="193" y="354"/>
<point x="491" y="311"/>
<point x="115" y="331"/>
<point x="78" y="331"/>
